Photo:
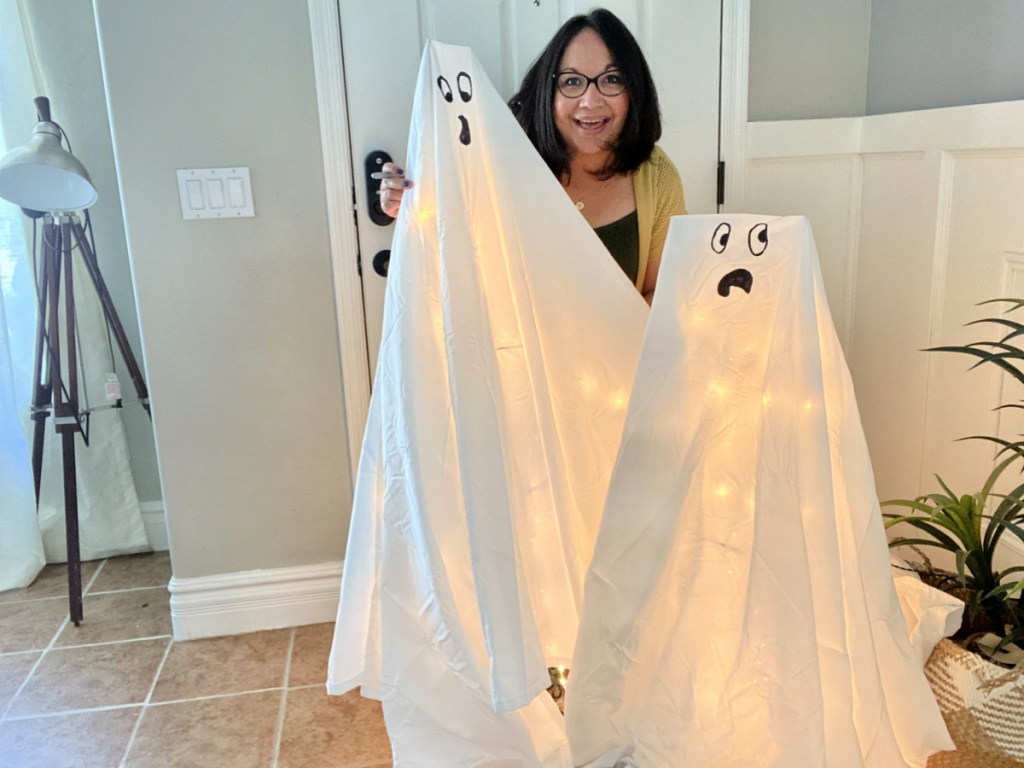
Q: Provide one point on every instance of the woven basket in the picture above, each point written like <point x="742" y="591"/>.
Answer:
<point x="983" y="705"/>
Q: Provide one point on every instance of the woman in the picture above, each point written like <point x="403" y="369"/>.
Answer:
<point x="590" y="107"/>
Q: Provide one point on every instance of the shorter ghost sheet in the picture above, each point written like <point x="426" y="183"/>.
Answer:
<point x="510" y="339"/>
<point x="739" y="607"/>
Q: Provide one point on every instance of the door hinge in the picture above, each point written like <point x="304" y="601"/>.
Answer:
<point x="721" y="182"/>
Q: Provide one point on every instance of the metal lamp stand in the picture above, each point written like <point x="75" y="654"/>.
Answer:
<point x="55" y="390"/>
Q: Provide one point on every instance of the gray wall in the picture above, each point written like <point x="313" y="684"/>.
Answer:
<point x="808" y="58"/>
<point x="237" y="317"/>
<point x="63" y="35"/>
<point x="941" y="53"/>
<point x="811" y="59"/>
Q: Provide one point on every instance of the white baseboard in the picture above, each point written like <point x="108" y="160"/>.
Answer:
<point x="250" y="601"/>
<point x="155" y="523"/>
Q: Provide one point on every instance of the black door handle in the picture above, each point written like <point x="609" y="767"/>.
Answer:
<point x="373" y="163"/>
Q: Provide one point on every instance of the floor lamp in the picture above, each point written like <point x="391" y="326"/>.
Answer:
<point x="47" y="181"/>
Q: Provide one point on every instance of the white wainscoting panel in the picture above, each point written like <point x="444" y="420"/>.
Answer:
<point x="918" y="217"/>
<point x="825" y="190"/>
<point x="236" y="603"/>
<point x="892" y="299"/>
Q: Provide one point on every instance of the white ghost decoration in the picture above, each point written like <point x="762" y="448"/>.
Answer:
<point x="739" y="608"/>
<point x="510" y="339"/>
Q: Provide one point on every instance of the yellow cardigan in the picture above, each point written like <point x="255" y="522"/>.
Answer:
<point x="659" y="196"/>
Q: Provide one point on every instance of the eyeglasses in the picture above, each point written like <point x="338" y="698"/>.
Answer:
<point x="573" y="85"/>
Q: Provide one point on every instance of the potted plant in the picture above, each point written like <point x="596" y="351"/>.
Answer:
<point x="977" y="675"/>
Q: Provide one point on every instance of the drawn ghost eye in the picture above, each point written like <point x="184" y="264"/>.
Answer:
<point x="721" y="237"/>
<point x="446" y="90"/>
<point x="757" y="239"/>
<point x="465" y="85"/>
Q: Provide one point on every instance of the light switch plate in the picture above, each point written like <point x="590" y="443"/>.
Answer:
<point x="215" y="193"/>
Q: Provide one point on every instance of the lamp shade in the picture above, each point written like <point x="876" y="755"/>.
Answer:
<point x="43" y="176"/>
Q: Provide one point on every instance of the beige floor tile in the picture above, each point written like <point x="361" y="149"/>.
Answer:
<point x="321" y="731"/>
<point x="31" y="625"/>
<point x="120" y="616"/>
<point x="227" y="732"/>
<point x="13" y="671"/>
<point x="221" y="665"/>
<point x="52" y="581"/>
<point x="94" y="676"/>
<point x="84" y="740"/>
<point x="133" y="571"/>
<point x="309" y="655"/>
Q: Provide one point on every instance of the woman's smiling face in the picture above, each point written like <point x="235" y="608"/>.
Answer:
<point x="589" y="124"/>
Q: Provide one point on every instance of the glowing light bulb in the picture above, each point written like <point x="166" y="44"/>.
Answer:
<point x="717" y="389"/>
<point x="766" y="399"/>
<point x="618" y="400"/>
<point x="425" y="213"/>
<point x="587" y="384"/>
<point x="808" y="405"/>
<point x="722" y="491"/>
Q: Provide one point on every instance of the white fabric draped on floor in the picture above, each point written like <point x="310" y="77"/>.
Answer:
<point x="732" y="539"/>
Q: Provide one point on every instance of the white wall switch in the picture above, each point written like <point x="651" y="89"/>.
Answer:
<point x="215" y="193"/>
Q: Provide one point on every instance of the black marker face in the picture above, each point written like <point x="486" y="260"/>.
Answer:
<point x="738" y="278"/>
<point x="757" y="243"/>
<point x="721" y="237"/>
<point x="464" y="84"/>
<point x="446" y="90"/>
<point x="757" y="239"/>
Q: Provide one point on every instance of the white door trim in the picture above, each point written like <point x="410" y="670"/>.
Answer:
<point x="735" y="75"/>
<point x="339" y="178"/>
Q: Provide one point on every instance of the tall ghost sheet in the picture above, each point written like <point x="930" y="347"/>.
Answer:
<point x="739" y="608"/>
<point x="510" y="339"/>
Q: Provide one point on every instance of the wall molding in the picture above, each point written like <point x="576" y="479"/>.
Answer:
<point x="251" y="601"/>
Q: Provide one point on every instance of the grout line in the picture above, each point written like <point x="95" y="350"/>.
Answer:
<point x="92" y="580"/>
<point x="65" y="712"/>
<point x="214" y="696"/>
<point x="42" y="655"/>
<point x="129" y="589"/>
<point x="111" y="642"/>
<point x="145" y="703"/>
<point x="279" y="731"/>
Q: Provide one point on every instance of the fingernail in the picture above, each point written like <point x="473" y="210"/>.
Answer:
<point x="405" y="183"/>
<point x="399" y="170"/>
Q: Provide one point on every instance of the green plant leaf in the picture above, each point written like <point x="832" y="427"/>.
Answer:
<point x="1018" y="303"/>
<point x="1017" y="329"/>
<point x="905" y="542"/>
<point x="943" y="540"/>
<point x="1004" y="591"/>
<point x="988" y="357"/>
<point x="912" y="503"/>
<point x="961" y="560"/>
<point x="1015" y="569"/>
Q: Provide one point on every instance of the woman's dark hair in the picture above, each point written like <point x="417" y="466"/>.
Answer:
<point x="533" y="105"/>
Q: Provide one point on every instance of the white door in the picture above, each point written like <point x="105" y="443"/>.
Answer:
<point x="382" y="42"/>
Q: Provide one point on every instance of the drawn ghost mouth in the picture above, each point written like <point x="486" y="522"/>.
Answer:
<point x="464" y="133"/>
<point x="740" y="278"/>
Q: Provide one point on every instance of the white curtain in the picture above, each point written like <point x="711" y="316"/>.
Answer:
<point x="109" y="513"/>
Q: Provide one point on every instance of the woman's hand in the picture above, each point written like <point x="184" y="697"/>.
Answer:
<point x="392" y="186"/>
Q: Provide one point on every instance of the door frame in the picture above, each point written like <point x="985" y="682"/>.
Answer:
<point x="339" y="180"/>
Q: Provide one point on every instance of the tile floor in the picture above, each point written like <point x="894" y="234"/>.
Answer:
<point x="118" y="692"/>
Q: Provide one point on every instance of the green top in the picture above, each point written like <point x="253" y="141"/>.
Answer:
<point x="622" y="239"/>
